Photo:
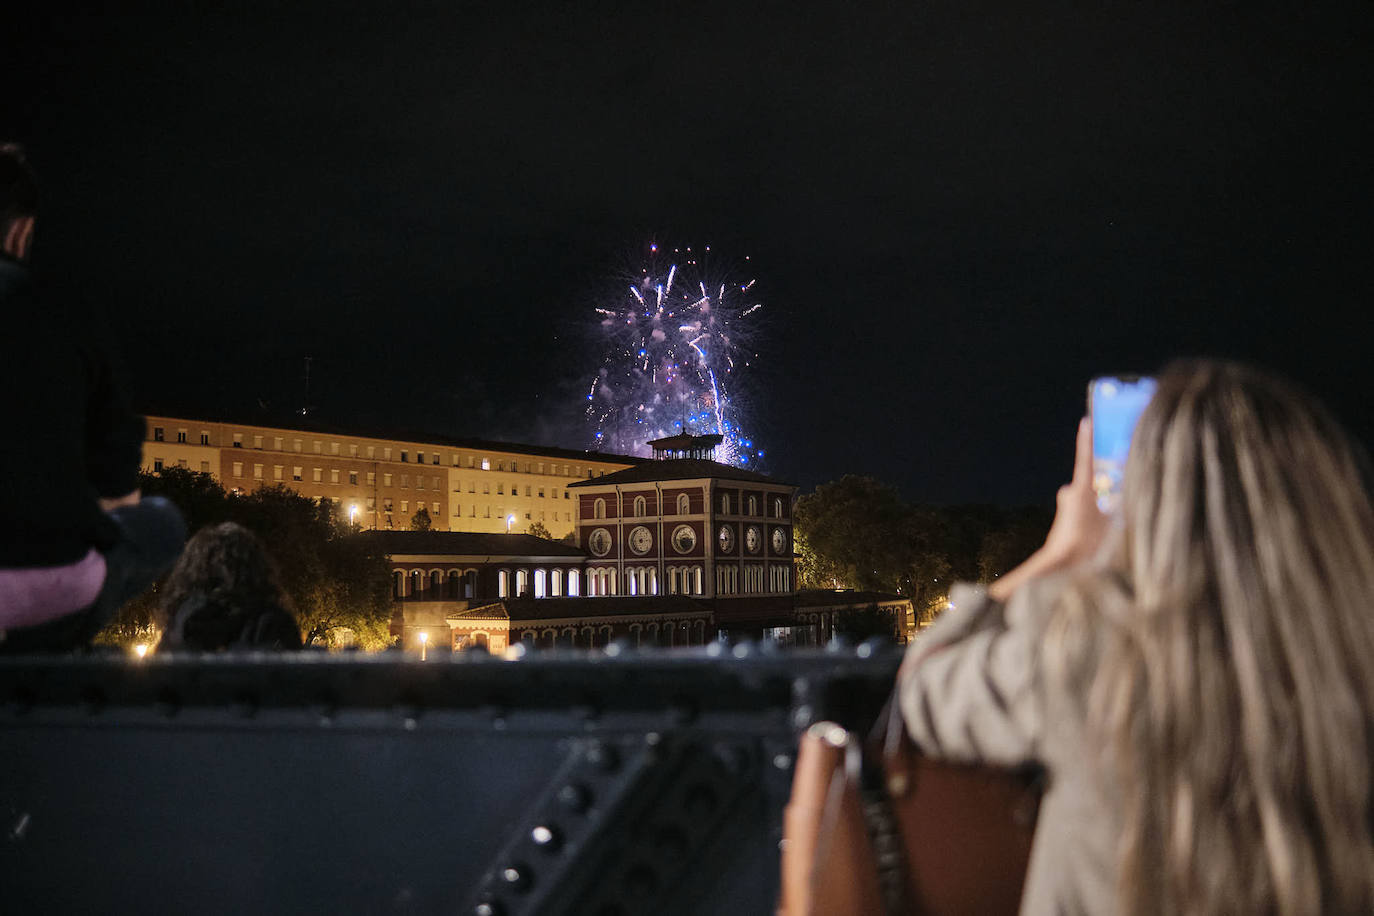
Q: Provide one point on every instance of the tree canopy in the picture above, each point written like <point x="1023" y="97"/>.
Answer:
<point x="856" y="532"/>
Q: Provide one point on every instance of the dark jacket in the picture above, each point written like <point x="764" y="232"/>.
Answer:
<point x="71" y="436"/>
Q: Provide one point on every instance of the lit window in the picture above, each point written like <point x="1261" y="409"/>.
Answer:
<point x="486" y="464"/>
<point x="500" y="489"/>
<point x="386" y="480"/>
<point x="405" y="505"/>
<point x="257" y="472"/>
<point x="352" y="450"/>
<point x="257" y="442"/>
<point x="296" y="473"/>
<point x="372" y="451"/>
<point x="318" y="475"/>
<point x="277" y="472"/>
<point x="238" y="468"/>
<point x="276" y="444"/>
<point x="334" y="475"/>
<point x="371" y="478"/>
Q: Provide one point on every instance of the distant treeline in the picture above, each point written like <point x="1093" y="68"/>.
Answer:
<point x="856" y="532"/>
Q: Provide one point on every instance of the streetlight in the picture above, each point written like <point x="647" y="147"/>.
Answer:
<point x="353" y="515"/>
<point x="510" y="520"/>
<point x="141" y="649"/>
<point x="424" y="643"/>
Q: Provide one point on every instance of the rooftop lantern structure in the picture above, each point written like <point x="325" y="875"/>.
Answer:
<point x="700" y="448"/>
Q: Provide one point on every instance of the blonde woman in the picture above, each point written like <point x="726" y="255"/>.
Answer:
<point x="1197" y="677"/>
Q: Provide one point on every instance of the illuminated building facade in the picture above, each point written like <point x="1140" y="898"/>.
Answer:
<point x="381" y="482"/>
<point x="683" y="524"/>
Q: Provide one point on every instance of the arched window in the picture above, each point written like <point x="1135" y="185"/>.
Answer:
<point x="539" y="583"/>
<point x="611" y="583"/>
<point x="453" y="587"/>
<point x="725" y="504"/>
<point x="436" y="585"/>
<point x="556" y="583"/>
<point x="574" y="577"/>
<point x="653" y="581"/>
<point x="503" y="584"/>
<point x="641" y="507"/>
<point x="599" y="508"/>
<point x="522" y="583"/>
<point x="398" y="584"/>
<point x="753" y="506"/>
<point x="777" y="507"/>
<point x="417" y="584"/>
<point x="697" y="583"/>
<point x="470" y="584"/>
<point x="684" y="505"/>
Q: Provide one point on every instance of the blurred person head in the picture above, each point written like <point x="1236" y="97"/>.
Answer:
<point x="18" y="201"/>
<point x="1232" y="686"/>
<point x="224" y="594"/>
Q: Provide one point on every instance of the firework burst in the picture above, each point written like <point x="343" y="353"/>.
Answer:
<point x="675" y="342"/>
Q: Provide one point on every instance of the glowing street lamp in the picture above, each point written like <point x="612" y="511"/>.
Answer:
<point x="353" y="514"/>
<point x="141" y="649"/>
<point x="424" y="644"/>
<point x="510" y="520"/>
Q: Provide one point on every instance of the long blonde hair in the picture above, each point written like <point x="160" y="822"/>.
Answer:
<point x="1225" y="654"/>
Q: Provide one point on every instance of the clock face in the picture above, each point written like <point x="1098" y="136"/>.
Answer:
<point x="779" y="540"/>
<point x="684" y="538"/>
<point x="726" y="537"/>
<point x="752" y="539"/>
<point x="641" y="540"/>
<point x="599" y="542"/>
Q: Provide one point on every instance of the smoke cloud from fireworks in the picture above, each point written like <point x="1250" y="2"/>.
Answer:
<point x="676" y="339"/>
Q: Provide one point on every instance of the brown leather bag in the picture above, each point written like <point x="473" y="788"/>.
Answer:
<point x="875" y="828"/>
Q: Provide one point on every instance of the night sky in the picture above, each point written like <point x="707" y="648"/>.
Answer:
<point x="956" y="212"/>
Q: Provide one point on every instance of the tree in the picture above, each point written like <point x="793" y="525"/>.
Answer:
<point x="855" y="533"/>
<point x="538" y="530"/>
<point x="421" y="521"/>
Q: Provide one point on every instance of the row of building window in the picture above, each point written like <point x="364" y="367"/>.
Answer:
<point x="640" y="506"/>
<point x="530" y="491"/>
<point x="664" y="635"/>
<point x="750" y="579"/>
<point x="371" y="453"/>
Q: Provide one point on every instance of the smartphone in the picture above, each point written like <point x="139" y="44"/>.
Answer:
<point x="1115" y="403"/>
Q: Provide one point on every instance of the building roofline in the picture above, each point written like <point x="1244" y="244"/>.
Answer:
<point x="304" y="425"/>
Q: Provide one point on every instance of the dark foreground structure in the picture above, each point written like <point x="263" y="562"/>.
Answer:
<point x="559" y="783"/>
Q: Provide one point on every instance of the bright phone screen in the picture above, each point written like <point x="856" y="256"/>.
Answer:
<point x="1116" y="404"/>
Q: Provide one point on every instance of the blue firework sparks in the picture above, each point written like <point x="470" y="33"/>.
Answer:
<point x="676" y="341"/>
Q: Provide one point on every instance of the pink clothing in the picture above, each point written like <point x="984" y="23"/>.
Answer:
<point x="42" y="593"/>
